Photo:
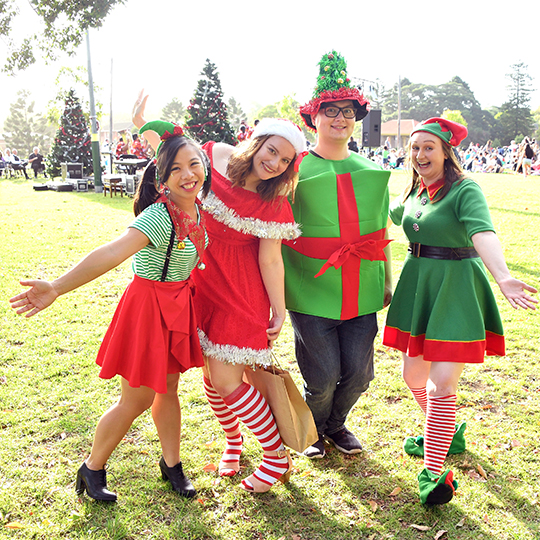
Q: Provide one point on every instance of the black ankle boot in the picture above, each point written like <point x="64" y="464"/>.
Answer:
<point x="179" y="481"/>
<point x="95" y="484"/>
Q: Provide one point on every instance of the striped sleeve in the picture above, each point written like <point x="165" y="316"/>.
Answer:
<point x="155" y="222"/>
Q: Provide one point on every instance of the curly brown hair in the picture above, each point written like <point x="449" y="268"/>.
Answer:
<point x="241" y="163"/>
<point x="453" y="172"/>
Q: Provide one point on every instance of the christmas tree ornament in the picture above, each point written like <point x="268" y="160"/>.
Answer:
<point x="333" y="85"/>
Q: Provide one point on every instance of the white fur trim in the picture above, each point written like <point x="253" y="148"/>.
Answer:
<point x="256" y="227"/>
<point x="284" y="128"/>
<point x="229" y="354"/>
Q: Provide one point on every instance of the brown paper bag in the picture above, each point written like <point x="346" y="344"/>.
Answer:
<point x="293" y="417"/>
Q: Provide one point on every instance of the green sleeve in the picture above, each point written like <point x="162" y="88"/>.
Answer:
<point x="396" y="211"/>
<point x="472" y="208"/>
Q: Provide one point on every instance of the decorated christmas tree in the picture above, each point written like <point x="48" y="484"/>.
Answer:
<point x="206" y="118"/>
<point x="72" y="143"/>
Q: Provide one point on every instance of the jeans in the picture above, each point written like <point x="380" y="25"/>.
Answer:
<point x="336" y="361"/>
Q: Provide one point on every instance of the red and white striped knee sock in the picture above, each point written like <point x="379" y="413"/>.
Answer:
<point x="231" y="427"/>
<point x="440" y="428"/>
<point x="420" y="396"/>
<point x="251" y="407"/>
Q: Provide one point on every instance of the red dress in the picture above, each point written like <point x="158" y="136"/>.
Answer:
<point x="232" y="306"/>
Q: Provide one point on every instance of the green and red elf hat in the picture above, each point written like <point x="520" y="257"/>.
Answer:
<point x="333" y="84"/>
<point x="165" y="130"/>
<point x="450" y="132"/>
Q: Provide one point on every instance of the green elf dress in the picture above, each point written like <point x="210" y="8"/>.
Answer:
<point x="444" y="309"/>
<point x="335" y="269"/>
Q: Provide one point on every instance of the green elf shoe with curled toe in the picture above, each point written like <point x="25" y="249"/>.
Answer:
<point x="414" y="446"/>
<point x="436" y="489"/>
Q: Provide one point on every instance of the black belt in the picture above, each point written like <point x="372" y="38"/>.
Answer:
<point x="434" y="252"/>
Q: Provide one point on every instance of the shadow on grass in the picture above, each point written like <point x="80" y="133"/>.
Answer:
<point x="525" y="213"/>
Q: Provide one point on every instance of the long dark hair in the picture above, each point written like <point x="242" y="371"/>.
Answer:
<point x="453" y="172"/>
<point x="241" y="163"/>
<point x="159" y="172"/>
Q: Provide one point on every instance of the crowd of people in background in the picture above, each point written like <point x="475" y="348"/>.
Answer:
<point x="522" y="158"/>
<point x="12" y="165"/>
<point x="245" y="131"/>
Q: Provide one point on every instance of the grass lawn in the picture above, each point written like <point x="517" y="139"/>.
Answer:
<point x="51" y="398"/>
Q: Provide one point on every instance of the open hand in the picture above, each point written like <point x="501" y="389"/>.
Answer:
<point x="514" y="290"/>
<point x="40" y="296"/>
<point x="137" y="115"/>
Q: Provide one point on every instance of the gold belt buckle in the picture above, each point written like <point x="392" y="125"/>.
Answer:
<point x="416" y="249"/>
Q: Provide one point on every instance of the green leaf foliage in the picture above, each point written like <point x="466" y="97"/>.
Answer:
<point x="24" y="128"/>
<point x="64" y="27"/>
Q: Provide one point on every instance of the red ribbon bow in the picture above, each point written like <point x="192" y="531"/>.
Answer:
<point x="372" y="250"/>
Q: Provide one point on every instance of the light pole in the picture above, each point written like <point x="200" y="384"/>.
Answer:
<point x="96" y="158"/>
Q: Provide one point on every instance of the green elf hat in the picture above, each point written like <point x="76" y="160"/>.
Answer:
<point x="333" y="84"/>
<point x="165" y="130"/>
<point x="450" y="132"/>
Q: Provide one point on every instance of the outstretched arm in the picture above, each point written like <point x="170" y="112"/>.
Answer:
<point x="42" y="294"/>
<point x="137" y="117"/>
<point x="273" y="275"/>
<point x="489" y="248"/>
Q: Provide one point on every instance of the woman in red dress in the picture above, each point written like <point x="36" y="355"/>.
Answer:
<point x="240" y="299"/>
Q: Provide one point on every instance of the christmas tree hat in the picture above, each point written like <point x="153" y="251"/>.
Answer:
<point x="165" y="130"/>
<point x="333" y="84"/>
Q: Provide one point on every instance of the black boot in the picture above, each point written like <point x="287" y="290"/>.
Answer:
<point x="95" y="484"/>
<point x="179" y="481"/>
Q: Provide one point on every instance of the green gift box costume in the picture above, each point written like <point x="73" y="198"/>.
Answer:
<point x="335" y="269"/>
<point x="442" y="309"/>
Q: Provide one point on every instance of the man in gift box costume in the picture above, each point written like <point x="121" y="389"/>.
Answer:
<point x="335" y="273"/>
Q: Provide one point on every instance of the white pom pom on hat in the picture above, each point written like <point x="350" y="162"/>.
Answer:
<point x="284" y="128"/>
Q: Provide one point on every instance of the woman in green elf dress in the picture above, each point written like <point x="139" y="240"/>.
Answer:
<point x="444" y="313"/>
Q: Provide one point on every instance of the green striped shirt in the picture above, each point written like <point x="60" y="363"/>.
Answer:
<point x="148" y="263"/>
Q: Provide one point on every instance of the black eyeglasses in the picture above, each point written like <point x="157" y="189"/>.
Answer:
<point x="333" y="111"/>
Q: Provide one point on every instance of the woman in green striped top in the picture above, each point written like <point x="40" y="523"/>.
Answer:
<point x="153" y="335"/>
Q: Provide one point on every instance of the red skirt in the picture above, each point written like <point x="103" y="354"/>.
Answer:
<point x="153" y="333"/>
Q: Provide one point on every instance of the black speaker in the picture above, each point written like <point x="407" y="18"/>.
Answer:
<point x="371" y="129"/>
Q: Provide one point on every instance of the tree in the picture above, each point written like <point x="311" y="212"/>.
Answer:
<point x="536" y="119"/>
<point x="66" y="80"/>
<point x="236" y="113"/>
<point x="207" y="118"/>
<point x="64" y="27"/>
<point x="24" y="129"/>
<point x="174" y="111"/>
<point x="514" y="118"/>
<point x="422" y="101"/>
<point x="72" y="141"/>
<point x="454" y="116"/>
<point x="286" y="108"/>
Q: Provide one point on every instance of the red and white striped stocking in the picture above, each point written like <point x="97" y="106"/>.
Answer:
<point x="440" y="428"/>
<point x="230" y="461"/>
<point x="250" y="406"/>
<point x="420" y="396"/>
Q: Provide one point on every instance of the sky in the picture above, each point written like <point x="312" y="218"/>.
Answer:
<point x="266" y="50"/>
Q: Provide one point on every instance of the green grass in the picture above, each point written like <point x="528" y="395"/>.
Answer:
<point x="51" y="398"/>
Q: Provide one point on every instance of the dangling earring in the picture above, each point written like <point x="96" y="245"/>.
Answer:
<point x="166" y="190"/>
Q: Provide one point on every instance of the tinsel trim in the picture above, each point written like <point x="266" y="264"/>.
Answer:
<point x="256" y="227"/>
<point x="230" y="354"/>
